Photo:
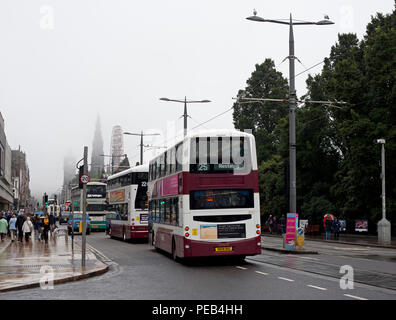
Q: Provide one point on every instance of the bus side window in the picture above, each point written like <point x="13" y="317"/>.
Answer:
<point x="179" y="157"/>
<point x="167" y="211"/>
<point x="174" y="212"/>
<point x="161" y="210"/>
<point x="168" y="162"/>
<point x="156" y="210"/>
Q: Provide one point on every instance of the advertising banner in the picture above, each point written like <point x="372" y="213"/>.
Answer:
<point x="170" y="186"/>
<point x="290" y="231"/>
<point x="117" y="196"/>
<point x="342" y="225"/>
<point x="361" y="225"/>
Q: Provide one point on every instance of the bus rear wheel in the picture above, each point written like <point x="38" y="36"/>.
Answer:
<point x="124" y="235"/>
<point x="174" y="254"/>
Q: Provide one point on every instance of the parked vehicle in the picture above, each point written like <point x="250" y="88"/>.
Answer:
<point x="77" y="219"/>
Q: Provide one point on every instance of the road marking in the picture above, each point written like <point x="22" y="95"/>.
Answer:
<point x="310" y="258"/>
<point x="355" y="297"/>
<point x="243" y="268"/>
<point x="286" y="279"/>
<point x="315" y="287"/>
<point x="266" y="274"/>
<point x="349" y="249"/>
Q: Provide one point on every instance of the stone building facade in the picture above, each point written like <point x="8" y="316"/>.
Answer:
<point x="6" y="186"/>
<point x="21" y="180"/>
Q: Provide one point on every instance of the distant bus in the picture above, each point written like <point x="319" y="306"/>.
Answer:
<point x="204" y="196"/>
<point x="127" y="196"/>
<point x="96" y="203"/>
<point x="53" y="208"/>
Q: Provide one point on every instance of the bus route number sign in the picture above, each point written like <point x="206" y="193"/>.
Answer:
<point x="84" y="179"/>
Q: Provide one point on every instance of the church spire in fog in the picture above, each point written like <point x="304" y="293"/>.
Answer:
<point x="97" y="161"/>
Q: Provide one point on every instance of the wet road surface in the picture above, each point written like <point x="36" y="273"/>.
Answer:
<point x="137" y="271"/>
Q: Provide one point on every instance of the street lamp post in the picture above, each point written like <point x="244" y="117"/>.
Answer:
<point x="185" y="115"/>
<point x="292" y="100"/>
<point x="141" y="134"/>
<point x="384" y="227"/>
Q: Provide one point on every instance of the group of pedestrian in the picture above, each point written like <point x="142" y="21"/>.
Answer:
<point x="16" y="226"/>
<point x="275" y="225"/>
<point x="331" y="225"/>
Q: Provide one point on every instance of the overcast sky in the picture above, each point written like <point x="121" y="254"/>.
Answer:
<point x="64" y="62"/>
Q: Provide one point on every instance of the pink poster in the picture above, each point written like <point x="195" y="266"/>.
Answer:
<point x="170" y="186"/>
<point x="290" y="231"/>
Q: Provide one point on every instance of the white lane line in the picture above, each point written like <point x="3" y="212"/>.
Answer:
<point x="310" y="258"/>
<point x="266" y="274"/>
<point x="315" y="287"/>
<point x="286" y="279"/>
<point x="243" y="268"/>
<point x="355" y="297"/>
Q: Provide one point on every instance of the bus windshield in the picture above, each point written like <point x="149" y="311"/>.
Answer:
<point x="220" y="155"/>
<point x="96" y="191"/>
<point x="141" y="201"/>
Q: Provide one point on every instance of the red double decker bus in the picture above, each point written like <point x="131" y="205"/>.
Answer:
<point x="204" y="196"/>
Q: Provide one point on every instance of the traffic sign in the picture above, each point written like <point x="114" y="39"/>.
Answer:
<point x="84" y="179"/>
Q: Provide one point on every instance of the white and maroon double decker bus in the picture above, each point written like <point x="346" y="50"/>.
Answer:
<point x="127" y="196"/>
<point x="204" y="196"/>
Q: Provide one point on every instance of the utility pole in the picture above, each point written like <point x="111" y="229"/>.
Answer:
<point x="84" y="222"/>
<point x="141" y="134"/>
<point x="292" y="122"/>
<point x="292" y="99"/>
<point x="384" y="227"/>
<point x="185" y="115"/>
<point x="72" y="217"/>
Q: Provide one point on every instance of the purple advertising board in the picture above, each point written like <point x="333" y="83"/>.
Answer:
<point x="290" y="231"/>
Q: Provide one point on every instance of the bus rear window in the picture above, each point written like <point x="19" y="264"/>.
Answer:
<point x="221" y="199"/>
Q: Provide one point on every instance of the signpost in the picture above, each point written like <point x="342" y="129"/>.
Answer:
<point x="84" y="179"/>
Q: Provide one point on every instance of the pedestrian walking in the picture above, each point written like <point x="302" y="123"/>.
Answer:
<point x="282" y="222"/>
<point x="8" y="218"/>
<point x="20" y="221"/>
<point x="46" y="227"/>
<point x="12" y="227"/>
<point x="328" y="227"/>
<point x="27" y="228"/>
<point x="38" y="226"/>
<point x="270" y="223"/>
<point x="3" y="228"/>
<point x="336" y="228"/>
<point x="52" y="222"/>
<point x="275" y="223"/>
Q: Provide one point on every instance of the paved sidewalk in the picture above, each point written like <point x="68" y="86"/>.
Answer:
<point x="21" y="264"/>
<point x="4" y="245"/>
<point x="274" y="243"/>
<point x="360" y="240"/>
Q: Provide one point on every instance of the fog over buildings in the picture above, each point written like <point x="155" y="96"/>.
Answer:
<point x="65" y="63"/>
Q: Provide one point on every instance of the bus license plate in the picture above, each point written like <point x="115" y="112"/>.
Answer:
<point x="223" y="249"/>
